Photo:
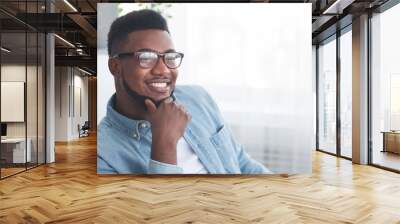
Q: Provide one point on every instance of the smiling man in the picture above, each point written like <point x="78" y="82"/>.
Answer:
<point x="153" y="126"/>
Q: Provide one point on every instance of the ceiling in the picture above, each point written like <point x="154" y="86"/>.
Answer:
<point x="76" y="21"/>
<point x="76" y="25"/>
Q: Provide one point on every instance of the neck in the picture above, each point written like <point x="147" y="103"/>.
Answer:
<point x="129" y="107"/>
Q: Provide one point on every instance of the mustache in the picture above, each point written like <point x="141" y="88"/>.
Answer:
<point x="140" y="98"/>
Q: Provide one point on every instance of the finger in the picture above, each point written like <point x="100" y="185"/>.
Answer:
<point x="180" y="107"/>
<point x="184" y="109"/>
<point x="150" y="106"/>
<point x="168" y="100"/>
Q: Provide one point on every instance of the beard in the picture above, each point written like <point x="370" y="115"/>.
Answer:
<point x="140" y="98"/>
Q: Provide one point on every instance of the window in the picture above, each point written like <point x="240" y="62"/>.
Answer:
<point x="346" y="93"/>
<point x="327" y="96"/>
<point x="385" y="88"/>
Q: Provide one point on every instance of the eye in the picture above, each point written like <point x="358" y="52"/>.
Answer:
<point x="173" y="59"/>
<point x="172" y="56"/>
<point x="147" y="56"/>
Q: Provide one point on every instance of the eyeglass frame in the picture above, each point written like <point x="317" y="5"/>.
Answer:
<point x="159" y="55"/>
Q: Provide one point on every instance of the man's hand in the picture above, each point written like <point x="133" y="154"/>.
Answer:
<point x="168" y="123"/>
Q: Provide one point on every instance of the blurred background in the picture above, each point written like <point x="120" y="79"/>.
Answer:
<point x="255" y="60"/>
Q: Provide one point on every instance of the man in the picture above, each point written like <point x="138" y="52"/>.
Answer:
<point x="152" y="126"/>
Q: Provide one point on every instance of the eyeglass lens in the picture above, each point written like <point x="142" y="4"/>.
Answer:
<point x="149" y="59"/>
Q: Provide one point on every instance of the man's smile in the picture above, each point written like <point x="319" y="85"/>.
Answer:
<point x="159" y="86"/>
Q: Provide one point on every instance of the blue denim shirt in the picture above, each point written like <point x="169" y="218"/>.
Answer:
<point x="124" y="145"/>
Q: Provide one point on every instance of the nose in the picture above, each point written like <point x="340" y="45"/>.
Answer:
<point x="160" y="68"/>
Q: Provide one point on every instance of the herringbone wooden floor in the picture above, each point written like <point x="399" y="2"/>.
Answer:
<point x="70" y="191"/>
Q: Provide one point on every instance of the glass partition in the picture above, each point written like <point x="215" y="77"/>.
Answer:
<point x="41" y="96"/>
<point x="13" y="96"/>
<point x="22" y="89"/>
<point x="31" y="99"/>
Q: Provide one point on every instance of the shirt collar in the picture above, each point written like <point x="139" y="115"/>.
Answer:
<point x="128" y="125"/>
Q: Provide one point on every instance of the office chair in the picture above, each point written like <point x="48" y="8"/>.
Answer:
<point x="84" y="130"/>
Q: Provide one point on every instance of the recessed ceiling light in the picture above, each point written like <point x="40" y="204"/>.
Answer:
<point x="70" y="5"/>
<point x="5" y="49"/>
<point x="64" y="40"/>
<point x="84" y="71"/>
<point x="337" y="7"/>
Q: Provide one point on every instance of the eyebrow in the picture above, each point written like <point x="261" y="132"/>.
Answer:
<point x="148" y="49"/>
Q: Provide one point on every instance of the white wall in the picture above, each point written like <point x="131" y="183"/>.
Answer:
<point x="79" y="117"/>
<point x="61" y="103"/>
<point x="67" y="115"/>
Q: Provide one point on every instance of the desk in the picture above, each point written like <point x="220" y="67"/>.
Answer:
<point x="13" y="150"/>
<point x="391" y="141"/>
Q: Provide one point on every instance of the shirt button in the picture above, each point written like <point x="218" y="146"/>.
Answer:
<point x="143" y="125"/>
<point x="135" y="135"/>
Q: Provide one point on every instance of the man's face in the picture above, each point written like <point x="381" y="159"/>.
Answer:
<point x="156" y="82"/>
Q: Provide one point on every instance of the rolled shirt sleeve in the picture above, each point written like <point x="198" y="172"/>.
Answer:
<point x="156" y="167"/>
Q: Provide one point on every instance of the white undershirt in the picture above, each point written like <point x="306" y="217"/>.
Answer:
<point x="187" y="159"/>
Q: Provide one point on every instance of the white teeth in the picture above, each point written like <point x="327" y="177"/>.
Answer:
<point x="159" y="84"/>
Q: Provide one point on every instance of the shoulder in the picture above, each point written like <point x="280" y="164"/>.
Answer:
<point x="200" y="105"/>
<point x="190" y="90"/>
<point x="104" y="124"/>
<point x="118" y="151"/>
<point x="104" y="128"/>
<point x="108" y="139"/>
<point x="194" y="95"/>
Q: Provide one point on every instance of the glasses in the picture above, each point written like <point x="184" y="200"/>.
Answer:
<point x="148" y="59"/>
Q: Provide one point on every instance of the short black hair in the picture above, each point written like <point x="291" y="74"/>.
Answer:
<point x="134" y="21"/>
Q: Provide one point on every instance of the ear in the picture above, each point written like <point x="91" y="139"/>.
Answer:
<point x="115" y="67"/>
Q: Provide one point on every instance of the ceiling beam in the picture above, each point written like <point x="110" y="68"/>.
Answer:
<point x="82" y="61"/>
<point x="86" y="27"/>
